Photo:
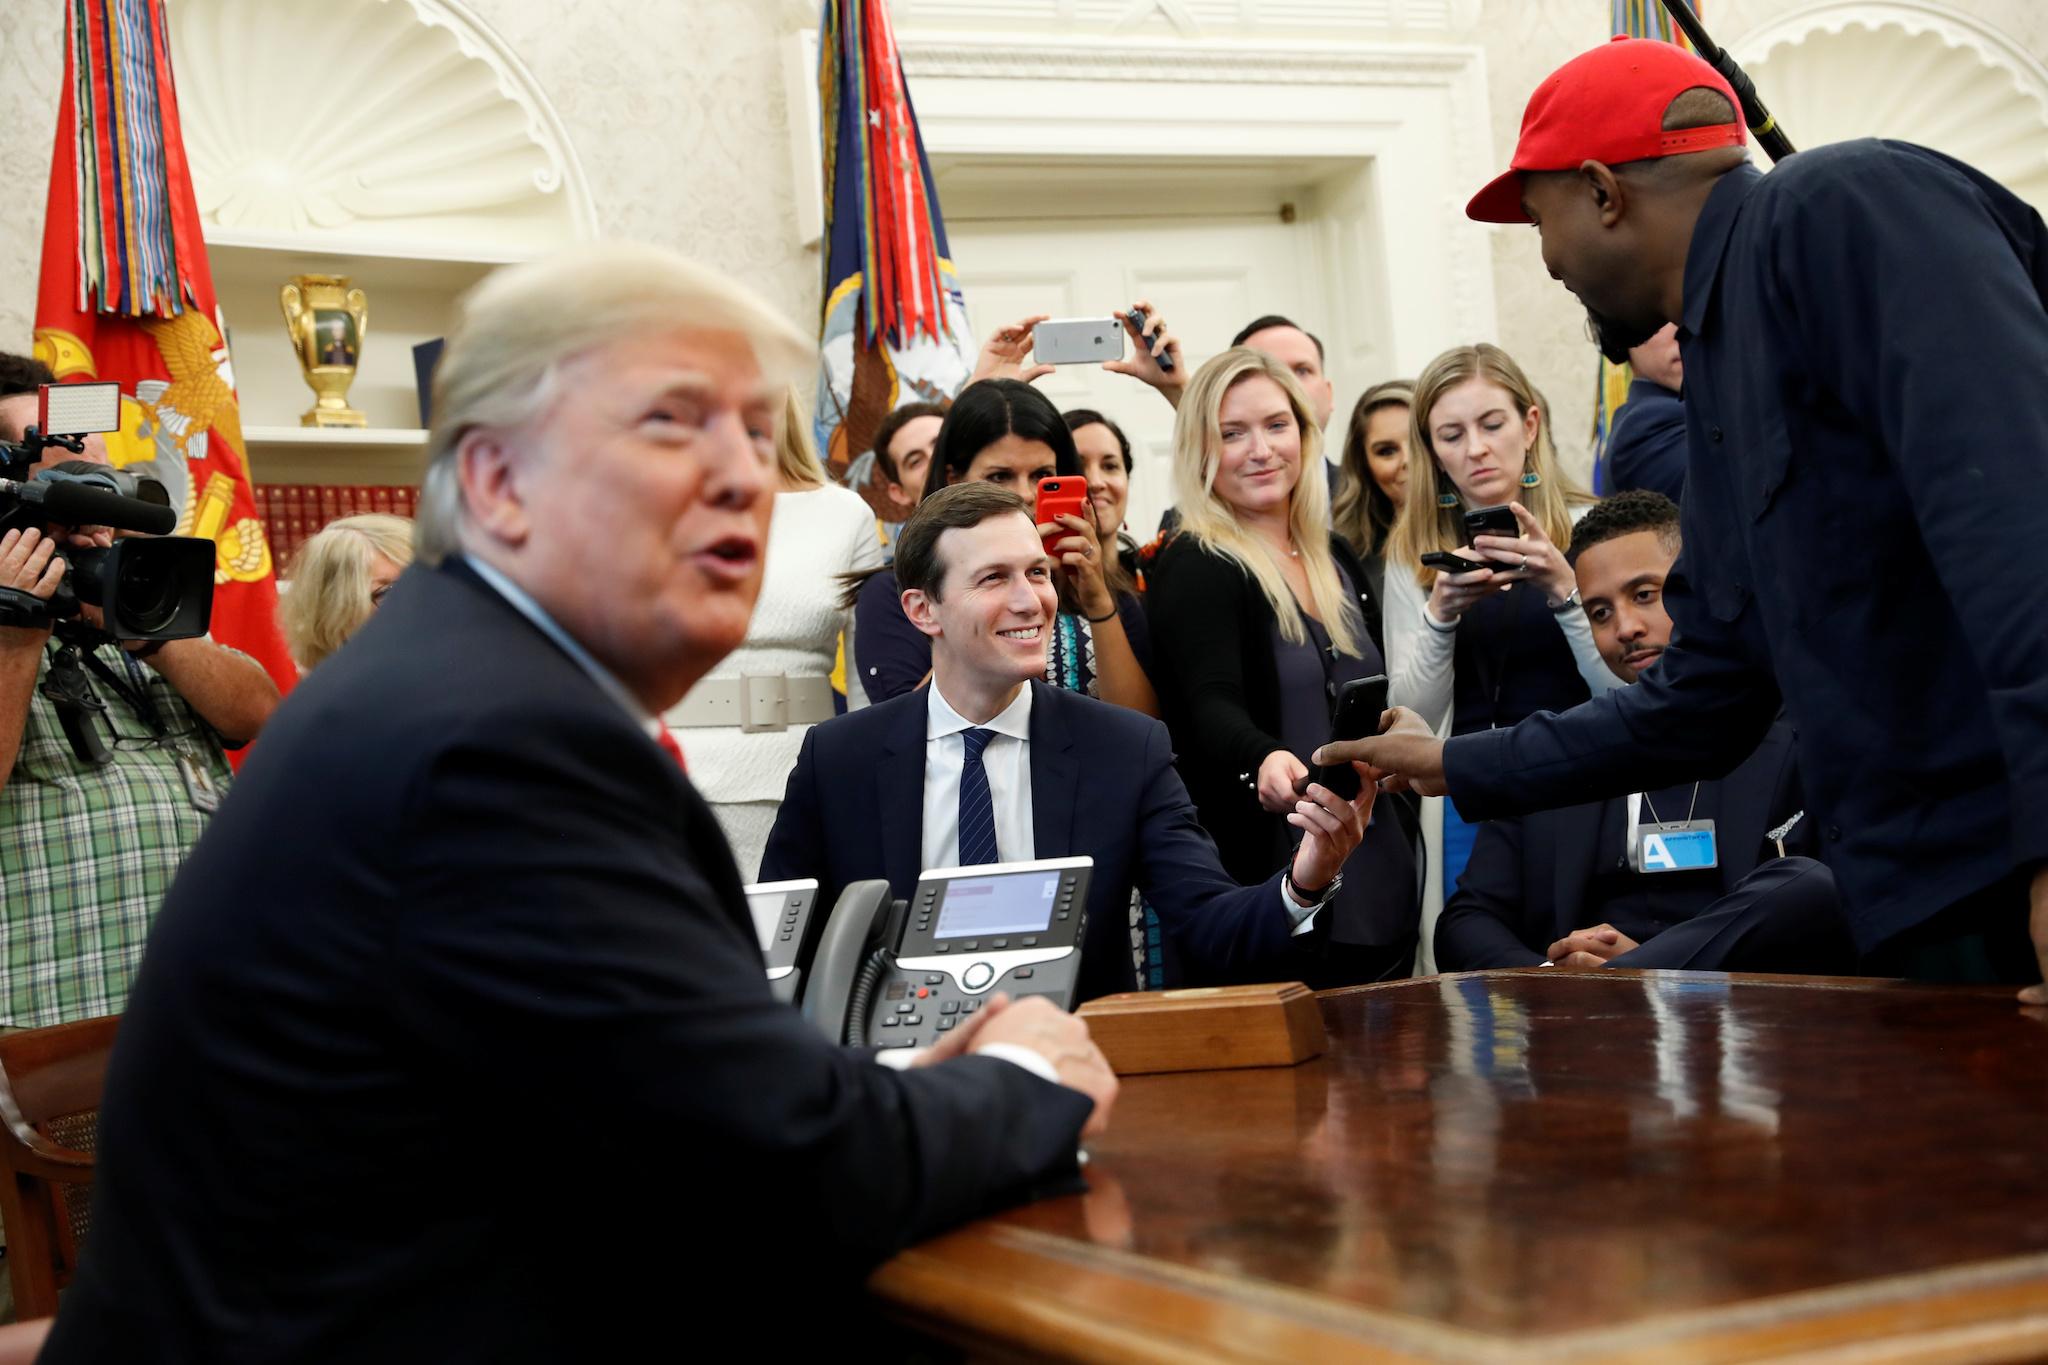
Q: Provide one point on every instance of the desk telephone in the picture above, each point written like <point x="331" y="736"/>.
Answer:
<point x="782" y="923"/>
<point x="892" y="974"/>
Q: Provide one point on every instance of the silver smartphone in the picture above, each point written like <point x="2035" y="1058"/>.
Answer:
<point x="1077" y="341"/>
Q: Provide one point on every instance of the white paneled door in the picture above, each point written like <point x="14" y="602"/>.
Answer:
<point x="1207" y="276"/>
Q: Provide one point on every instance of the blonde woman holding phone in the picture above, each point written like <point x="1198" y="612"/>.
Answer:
<point x="1259" y="614"/>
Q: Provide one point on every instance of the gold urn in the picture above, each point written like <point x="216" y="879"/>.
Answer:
<point x="327" y="321"/>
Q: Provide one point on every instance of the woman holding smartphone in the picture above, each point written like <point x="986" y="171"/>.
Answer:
<point x="1260" y="615"/>
<point x="1005" y="432"/>
<point x="1106" y="463"/>
<point x="1488" y="647"/>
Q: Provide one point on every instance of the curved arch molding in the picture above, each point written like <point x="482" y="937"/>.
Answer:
<point x="1920" y="72"/>
<point x="406" y="122"/>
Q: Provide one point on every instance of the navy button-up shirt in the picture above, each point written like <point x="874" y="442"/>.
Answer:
<point x="1866" y="512"/>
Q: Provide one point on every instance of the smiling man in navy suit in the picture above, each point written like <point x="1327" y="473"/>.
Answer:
<point x="989" y="764"/>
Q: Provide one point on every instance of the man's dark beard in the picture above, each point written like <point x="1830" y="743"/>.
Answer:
<point x="1615" y="339"/>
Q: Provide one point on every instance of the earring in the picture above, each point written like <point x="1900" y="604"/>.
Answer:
<point x="1447" y="500"/>
<point x="1532" y="480"/>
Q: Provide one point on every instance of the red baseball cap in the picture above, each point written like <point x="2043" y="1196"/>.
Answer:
<point x="1607" y="105"/>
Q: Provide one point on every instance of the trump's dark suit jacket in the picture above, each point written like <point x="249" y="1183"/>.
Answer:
<point x="452" y="1042"/>
<point x="1102" y="784"/>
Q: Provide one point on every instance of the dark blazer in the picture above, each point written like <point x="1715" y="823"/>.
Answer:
<point x="1527" y="882"/>
<point x="452" y="1042"/>
<point x="1102" y="784"/>
<point x="1219" y="688"/>
<point x="1647" y="449"/>
<point x="1853" y="320"/>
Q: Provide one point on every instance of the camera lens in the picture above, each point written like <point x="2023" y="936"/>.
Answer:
<point x="147" y="590"/>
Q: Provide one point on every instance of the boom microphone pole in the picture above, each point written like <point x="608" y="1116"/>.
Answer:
<point x="1769" y="135"/>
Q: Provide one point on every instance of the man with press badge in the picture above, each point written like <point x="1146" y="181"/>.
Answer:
<point x="1705" y="875"/>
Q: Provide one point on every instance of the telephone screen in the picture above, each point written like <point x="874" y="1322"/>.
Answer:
<point x="975" y="907"/>
<point x="766" y="908"/>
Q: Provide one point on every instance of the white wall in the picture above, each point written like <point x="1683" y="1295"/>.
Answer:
<point x="676" y="109"/>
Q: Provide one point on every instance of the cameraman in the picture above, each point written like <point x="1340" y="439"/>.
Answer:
<point x="88" y="850"/>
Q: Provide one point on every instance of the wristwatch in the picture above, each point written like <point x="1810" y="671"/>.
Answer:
<point x="1570" y="603"/>
<point x="1311" y="900"/>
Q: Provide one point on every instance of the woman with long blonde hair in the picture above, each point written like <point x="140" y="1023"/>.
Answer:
<point x="780" y="676"/>
<point x="1259" y="613"/>
<point x="1490" y="647"/>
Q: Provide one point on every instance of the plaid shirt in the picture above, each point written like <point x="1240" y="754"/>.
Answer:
<point x="86" y="854"/>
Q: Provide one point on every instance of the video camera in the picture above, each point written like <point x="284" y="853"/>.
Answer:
<point x="156" y="589"/>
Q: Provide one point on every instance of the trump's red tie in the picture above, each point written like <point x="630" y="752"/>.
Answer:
<point x="667" y="740"/>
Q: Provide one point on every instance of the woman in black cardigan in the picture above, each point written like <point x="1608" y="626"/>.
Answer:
<point x="1258" y="614"/>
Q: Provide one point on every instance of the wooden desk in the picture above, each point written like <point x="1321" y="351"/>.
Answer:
<point x="1550" y="1166"/>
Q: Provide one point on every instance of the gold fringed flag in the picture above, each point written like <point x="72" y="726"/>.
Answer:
<point x="893" y="328"/>
<point x="127" y="296"/>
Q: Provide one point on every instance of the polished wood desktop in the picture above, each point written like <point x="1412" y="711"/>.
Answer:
<point x="1550" y="1166"/>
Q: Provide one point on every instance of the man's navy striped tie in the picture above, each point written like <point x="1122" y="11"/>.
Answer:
<point x="977" y="810"/>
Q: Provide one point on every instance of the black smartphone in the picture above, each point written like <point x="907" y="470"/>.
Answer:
<point x="1492" y="521"/>
<point x="1450" y="563"/>
<point x="1356" y="715"/>
<point x="1138" y="321"/>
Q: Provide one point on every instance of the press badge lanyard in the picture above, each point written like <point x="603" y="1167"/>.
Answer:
<point x="135" y="691"/>
<point x="1669" y="845"/>
<point x="200" y="787"/>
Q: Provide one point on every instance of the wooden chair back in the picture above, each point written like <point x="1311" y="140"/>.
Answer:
<point x="50" y="1084"/>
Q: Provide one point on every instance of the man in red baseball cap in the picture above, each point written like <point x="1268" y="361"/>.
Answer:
<point x="1636" y="113"/>
<point x="1864" y="333"/>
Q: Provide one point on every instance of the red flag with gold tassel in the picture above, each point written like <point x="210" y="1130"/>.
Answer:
<point x="127" y="296"/>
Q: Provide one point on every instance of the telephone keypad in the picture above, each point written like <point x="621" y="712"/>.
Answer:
<point x="915" y="1014"/>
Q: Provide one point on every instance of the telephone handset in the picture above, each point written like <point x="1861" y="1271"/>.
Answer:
<point x="783" y="922"/>
<point x="904" y="974"/>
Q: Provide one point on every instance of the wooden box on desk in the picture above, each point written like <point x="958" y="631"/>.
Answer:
<point x="1211" y="1028"/>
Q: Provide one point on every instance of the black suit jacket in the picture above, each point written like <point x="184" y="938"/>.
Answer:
<point x="452" y="1042"/>
<point x="1219" y="689"/>
<point x="1102" y="784"/>
<point x="1647" y="449"/>
<point x="1526" y="884"/>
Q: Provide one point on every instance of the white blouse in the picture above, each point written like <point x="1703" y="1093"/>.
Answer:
<point x="814" y="536"/>
<point x="1419" y="656"/>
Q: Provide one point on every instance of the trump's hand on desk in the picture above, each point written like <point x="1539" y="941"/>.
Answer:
<point x="1405" y="755"/>
<point x="1038" y="1024"/>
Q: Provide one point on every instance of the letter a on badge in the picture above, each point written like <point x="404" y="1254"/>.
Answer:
<point x="1656" y="855"/>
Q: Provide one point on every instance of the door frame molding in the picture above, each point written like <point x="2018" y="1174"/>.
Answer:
<point x="1410" y="120"/>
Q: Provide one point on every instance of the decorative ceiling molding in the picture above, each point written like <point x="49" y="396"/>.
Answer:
<point x="1918" y="71"/>
<point x="1196" y="17"/>
<point x="406" y="121"/>
<point x="1154" y="60"/>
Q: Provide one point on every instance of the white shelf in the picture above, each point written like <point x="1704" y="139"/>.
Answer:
<point x="269" y="262"/>
<point x="350" y="455"/>
<point x="402" y="438"/>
